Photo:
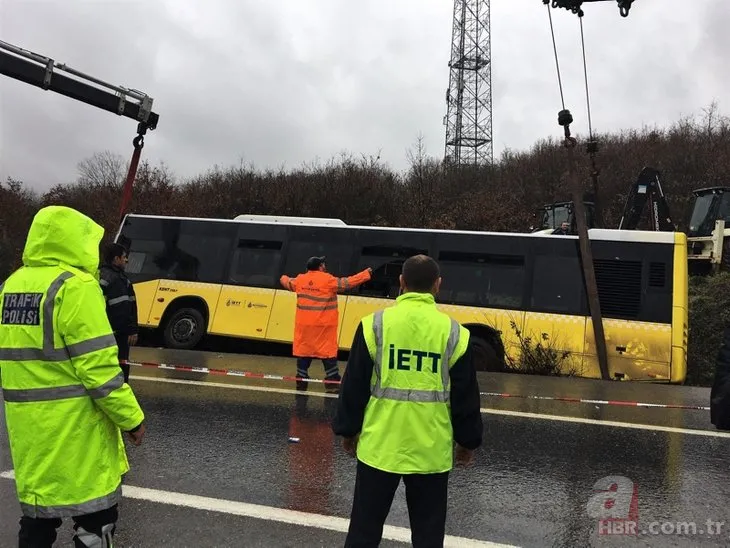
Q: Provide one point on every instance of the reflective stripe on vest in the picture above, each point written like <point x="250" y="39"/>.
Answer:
<point x="62" y="392"/>
<point x="89" y="507"/>
<point x="326" y="303"/>
<point x="49" y="353"/>
<point x="404" y="394"/>
<point x="122" y="299"/>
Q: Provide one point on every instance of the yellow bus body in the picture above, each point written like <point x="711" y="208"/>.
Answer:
<point x="637" y="350"/>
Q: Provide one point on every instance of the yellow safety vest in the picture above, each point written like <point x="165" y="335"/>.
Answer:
<point x="407" y="423"/>
<point x="65" y="396"/>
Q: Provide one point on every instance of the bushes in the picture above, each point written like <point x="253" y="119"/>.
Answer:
<point x="709" y="314"/>
<point x="540" y="357"/>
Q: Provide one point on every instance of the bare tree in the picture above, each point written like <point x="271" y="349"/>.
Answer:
<point x="419" y="181"/>
<point x="103" y="169"/>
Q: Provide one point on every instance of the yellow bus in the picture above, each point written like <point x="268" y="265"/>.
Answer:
<point x="196" y="276"/>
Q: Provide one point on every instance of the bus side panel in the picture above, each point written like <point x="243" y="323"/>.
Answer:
<point x="243" y="312"/>
<point x="281" y="321"/>
<point x="342" y="304"/>
<point x="562" y="333"/>
<point x="628" y="345"/>
<point x="145" y="294"/>
<point x="498" y="319"/>
<point x="169" y="290"/>
<point x="355" y="310"/>
<point x="680" y="310"/>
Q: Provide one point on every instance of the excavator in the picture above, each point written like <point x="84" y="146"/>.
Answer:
<point x="559" y="217"/>
<point x="708" y="233"/>
<point x="647" y="187"/>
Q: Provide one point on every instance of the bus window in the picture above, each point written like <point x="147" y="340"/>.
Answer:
<point x="205" y="248"/>
<point x="386" y="262"/>
<point x="335" y="245"/>
<point x="179" y="250"/>
<point x="557" y="285"/>
<point x="479" y="279"/>
<point x="256" y="263"/>
<point x="143" y="258"/>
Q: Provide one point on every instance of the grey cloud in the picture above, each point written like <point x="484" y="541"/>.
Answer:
<point x="280" y="84"/>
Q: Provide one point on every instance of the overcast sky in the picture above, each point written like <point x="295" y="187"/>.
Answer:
<point x="292" y="81"/>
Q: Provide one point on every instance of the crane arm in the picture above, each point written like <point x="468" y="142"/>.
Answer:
<point x="44" y="73"/>
<point x="647" y="187"/>
<point x="575" y="5"/>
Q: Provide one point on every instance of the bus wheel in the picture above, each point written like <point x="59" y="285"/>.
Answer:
<point x="184" y="329"/>
<point x="485" y="357"/>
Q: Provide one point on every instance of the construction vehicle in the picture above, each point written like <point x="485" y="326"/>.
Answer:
<point x="549" y="219"/>
<point x="647" y="187"/>
<point x="708" y="239"/>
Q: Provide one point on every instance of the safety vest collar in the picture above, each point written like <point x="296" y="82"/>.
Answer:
<point x="413" y="297"/>
<point x="404" y="394"/>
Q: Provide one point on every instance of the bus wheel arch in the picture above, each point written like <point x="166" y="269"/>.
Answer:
<point x="184" y="323"/>
<point x="487" y="347"/>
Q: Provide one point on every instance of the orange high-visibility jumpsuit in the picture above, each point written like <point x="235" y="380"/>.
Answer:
<point x="317" y="315"/>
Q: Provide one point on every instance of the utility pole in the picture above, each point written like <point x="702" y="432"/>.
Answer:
<point x="469" y="96"/>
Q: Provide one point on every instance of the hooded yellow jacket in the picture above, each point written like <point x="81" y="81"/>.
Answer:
<point x="65" y="399"/>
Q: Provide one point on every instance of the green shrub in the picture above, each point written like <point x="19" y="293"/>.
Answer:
<point x="709" y="314"/>
<point x="540" y="357"/>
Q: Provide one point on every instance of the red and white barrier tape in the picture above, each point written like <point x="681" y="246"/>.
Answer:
<point x="291" y="378"/>
<point x="600" y="402"/>
<point x="230" y="372"/>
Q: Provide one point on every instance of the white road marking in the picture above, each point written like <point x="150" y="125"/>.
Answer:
<point x="271" y="513"/>
<point x="672" y="429"/>
<point x="522" y="414"/>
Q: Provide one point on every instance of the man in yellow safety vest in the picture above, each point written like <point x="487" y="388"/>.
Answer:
<point x="408" y="393"/>
<point x="66" y="402"/>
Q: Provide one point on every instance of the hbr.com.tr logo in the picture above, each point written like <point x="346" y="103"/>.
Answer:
<point x="615" y="503"/>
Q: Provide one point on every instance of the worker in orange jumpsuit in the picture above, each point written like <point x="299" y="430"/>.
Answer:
<point x="317" y="317"/>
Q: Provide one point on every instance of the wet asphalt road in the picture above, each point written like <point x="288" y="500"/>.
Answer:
<point x="227" y="438"/>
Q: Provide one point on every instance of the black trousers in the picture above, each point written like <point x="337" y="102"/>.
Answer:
<point x="91" y="530"/>
<point x="331" y="370"/>
<point x="123" y="353"/>
<point x="426" y="496"/>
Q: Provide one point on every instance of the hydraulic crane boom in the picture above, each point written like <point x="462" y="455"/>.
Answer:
<point x="43" y="72"/>
<point x="575" y="5"/>
<point x="647" y="187"/>
<point x="40" y="71"/>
